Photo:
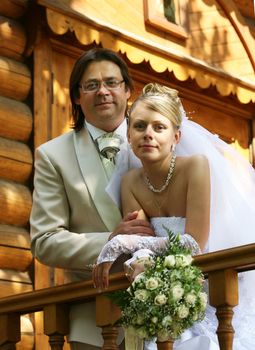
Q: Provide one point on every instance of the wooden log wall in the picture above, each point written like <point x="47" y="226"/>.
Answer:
<point x="15" y="160"/>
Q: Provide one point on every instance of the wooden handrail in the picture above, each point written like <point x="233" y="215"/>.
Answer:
<point x="221" y="268"/>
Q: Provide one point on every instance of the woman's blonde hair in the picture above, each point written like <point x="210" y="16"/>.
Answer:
<point x="163" y="100"/>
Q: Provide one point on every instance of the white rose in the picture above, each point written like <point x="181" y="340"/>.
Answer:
<point x="141" y="333"/>
<point x="160" y="299"/>
<point x="195" y="316"/>
<point x="203" y="299"/>
<point x="163" y="336"/>
<point x="141" y="294"/>
<point x="151" y="283"/>
<point x="177" y="292"/>
<point x="169" y="261"/>
<point x="191" y="298"/>
<point x="139" y="320"/>
<point x="183" y="311"/>
<point x="154" y="319"/>
<point x="167" y="321"/>
<point x="183" y="260"/>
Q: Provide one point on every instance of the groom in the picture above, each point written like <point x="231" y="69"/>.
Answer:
<point x="72" y="215"/>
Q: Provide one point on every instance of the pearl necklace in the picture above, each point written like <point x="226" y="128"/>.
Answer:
<point x="168" y="178"/>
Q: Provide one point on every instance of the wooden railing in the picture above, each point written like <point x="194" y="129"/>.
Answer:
<point x="220" y="267"/>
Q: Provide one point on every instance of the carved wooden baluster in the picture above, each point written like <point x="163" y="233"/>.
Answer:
<point x="166" y="345"/>
<point x="223" y="294"/>
<point x="56" y="324"/>
<point x="106" y="315"/>
<point x="9" y="331"/>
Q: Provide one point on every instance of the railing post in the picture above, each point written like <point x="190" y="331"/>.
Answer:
<point x="9" y="331"/>
<point x="56" y="324"/>
<point x="223" y="294"/>
<point x="166" y="345"/>
<point x="106" y="315"/>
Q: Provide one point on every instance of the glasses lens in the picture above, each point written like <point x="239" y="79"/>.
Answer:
<point x="93" y="86"/>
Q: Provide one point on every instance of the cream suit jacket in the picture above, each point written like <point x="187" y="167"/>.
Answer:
<point x="72" y="215"/>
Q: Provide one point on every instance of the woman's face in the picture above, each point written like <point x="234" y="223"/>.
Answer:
<point x="151" y="134"/>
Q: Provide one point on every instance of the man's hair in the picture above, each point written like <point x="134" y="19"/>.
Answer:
<point x="93" y="55"/>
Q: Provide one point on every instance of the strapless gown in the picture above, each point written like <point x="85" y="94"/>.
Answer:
<point x="202" y="336"/>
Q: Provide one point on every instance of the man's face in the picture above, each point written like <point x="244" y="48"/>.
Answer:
<point x="104" y="108"/>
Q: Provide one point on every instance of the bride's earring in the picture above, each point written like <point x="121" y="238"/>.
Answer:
<point x="173" y="147"/>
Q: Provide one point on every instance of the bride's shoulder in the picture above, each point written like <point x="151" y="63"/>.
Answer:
<point x="196" y="159"/>
<point x="132" y="175"/>
<point x="194" y="164"/>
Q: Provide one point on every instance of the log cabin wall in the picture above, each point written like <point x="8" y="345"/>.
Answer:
<point x="15" y="159"/>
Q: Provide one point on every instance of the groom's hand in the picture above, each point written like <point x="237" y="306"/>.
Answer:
<point x="130" y="225"/>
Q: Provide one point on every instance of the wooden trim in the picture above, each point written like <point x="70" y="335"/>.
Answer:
<point x="233" y="14"/>
<point x="154" y="18"/>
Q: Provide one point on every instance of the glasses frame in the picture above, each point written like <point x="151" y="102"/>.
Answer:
<point x="100" y="83"/>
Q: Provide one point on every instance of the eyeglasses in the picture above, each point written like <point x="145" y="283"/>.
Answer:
<point x="95" y="85"/>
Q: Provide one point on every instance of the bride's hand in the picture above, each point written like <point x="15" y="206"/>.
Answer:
<point x="100" y="275"/>
<point x="131" y="225"/>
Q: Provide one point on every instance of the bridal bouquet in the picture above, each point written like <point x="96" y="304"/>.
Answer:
<point x="165" y="299"/>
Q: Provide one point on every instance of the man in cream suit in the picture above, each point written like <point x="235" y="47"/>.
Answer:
<point x="72" y="215"/>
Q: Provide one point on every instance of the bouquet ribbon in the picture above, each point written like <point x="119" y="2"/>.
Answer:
<point x="132" y="341"/>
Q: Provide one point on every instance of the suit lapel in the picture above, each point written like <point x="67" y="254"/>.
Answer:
<point x="95" y="178"/>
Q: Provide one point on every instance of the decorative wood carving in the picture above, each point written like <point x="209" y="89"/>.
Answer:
<point x="140" y="49"/>
<point x="56" y="324"/>
<point x="223" y="294"/>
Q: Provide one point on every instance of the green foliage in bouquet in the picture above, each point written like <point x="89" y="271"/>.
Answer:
<point x="165" y="299"/>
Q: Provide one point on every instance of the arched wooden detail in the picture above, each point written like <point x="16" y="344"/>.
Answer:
<point x="235" y="17"/>
<point x="15" y="168"/>
<point x="139" y="49"/>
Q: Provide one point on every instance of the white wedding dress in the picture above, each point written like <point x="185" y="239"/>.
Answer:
<point x="232" y="223"/>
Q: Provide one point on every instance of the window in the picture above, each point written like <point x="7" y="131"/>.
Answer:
<point x="169" y="16"/>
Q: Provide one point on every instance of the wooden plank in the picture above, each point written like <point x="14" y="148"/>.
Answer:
<point x="15" y="119"/>
<point x="15" y="160"/>
<point x="13" y="8"/>
<point x="12" y="38"/>
<point x="15" y="276"/>
<point x="9" y="288"/>
<point x="15" y="203"/>
<point x="15" y="258"/>
<point x="15" y="79"/>
<point x="14" y="236"/>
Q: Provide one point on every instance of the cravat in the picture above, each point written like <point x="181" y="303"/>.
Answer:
<point x="109" y="145"/>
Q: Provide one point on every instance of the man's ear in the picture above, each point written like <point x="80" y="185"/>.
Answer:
<point x="77" y="101"/>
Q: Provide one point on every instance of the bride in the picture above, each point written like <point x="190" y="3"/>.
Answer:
<point x="191" y="182"/>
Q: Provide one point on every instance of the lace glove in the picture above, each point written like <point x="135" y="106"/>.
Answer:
<point x="143" y="254"/>
<point x="129" y="244"/>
